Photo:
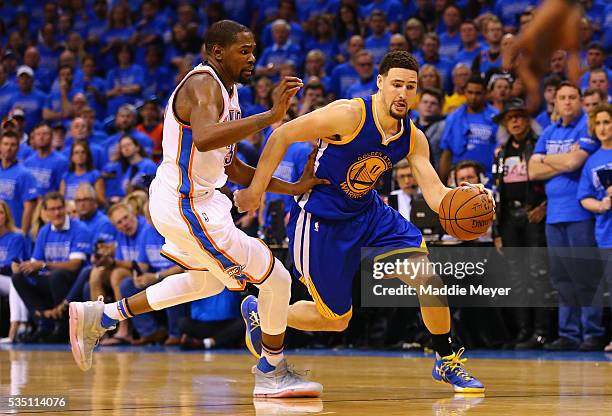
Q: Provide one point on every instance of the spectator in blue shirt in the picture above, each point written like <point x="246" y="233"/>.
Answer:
<point x="282" y="51"/>
<point x="61" y="249"/>
<point x="550" y="88"/>
<point x="9" y="62"/>
<point x="79" y="133"/>
<point x="111" y="271"/>
<point x="315" y="69"/>
<point x="153" y="267"/>
<point x="595" y="187"/>
<point x="450" y="40"/>
<point x="13" y="248"/>
<point x="367" y="76"/>
<point x="17" y="185"/>
<point x="149" y="28"/>
<point x="470" y="47"/>
<point x="286" y="11"/>
<point x="325" y="40"/>
<point x="58" y="106"/>
<point x="595" y="59"/>
<point x="469" y="133"/>
<point x="29" y="99"/>
<point x="391" y="8"/>
<point x="7" y="91"/>
<point x="124" y="83"/>
<point x="157" y="77"/>
<point x="48" y="49"/>
<point x="431" y="45"/>
<point x="96" y="26"/>
<point x="118" y="33"/>
<point x="125" y="123"/>
<point x="378" y="42"/>
<point x="490" y="55"/>
<point x="87" y="207"/>
<point x="509" y="10"/>
<point x="599" y="79"/>
<point x="568" y="224"/>
<point x="47" y="165"/>
<point x="345" y="75"/>
<point x="81" y="170"/>
<point x="94" y="87"/>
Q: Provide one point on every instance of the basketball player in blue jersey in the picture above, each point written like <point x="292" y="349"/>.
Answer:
<point x="202" y="125"/>
<point x="359" y="140"/>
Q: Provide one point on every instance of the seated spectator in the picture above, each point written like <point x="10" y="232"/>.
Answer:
<point x="347" y="25"/>
<point x="17" y="184"/>
<point x="550" y="87"/>
<point x="470" y="47"/>
<point x="58" y="106"/>
<point x="431" y="45"/>
<point x="124" y="83"/>
<point x="591" y="99"/>
<point x="490" y="55"/>
<point x="498" y="88"/>
<point x="408" y="188"/>
<point x="150" y="27"/>
<point x="324" y="40"/>
<point x="398" y="42"/>
<point x="509" y="10"/>
<point x="184" y="46"/>
<point x="461" y="74"/>
<point x="7" y="91"/>
<point x="118" y="32"/>
<point x="367" y="76"/>
<point x="109" y="271"/>
<point x="94" y="87"/>
<point x="283" y="50"/>
<point x="378" y="42"/>
<point x="469" y="132"/>
<point x="80" y="133"/>
<point x="315" y="68"/>
<point x="131" y="166"/>
<point x="94" y="127"/>
<point x="345" y="75"/>
<point x="391" y="9"/>
<point x="215" y="322"/>
<point x="47" y="165"/>
<point x="450" y="40"/>
<point x="314" y="92"/>
<point x="29" y="99"/>
<point x="157" y="78"/>
<point x="431" y="121"/>
<point x="414" y="30"/>
<point x="595" y="57"/>
<point x="81" y="170"/>
<point x="61" y="249"/>
<point x="286" y="11"/>
<point x="49" y="49"/>
<point x="599" y="79"/>
<point x="13" y="248"/>
<point x="125" y="125"/>
<point x="429" y="77"/>
<point x="263" y="97"/>
<point x="14" y="124"/>
<point x="595" y="187"/>
<point x="152" y="125"/>
<point x="152" y="267"/>
<point x="558" y="63"/>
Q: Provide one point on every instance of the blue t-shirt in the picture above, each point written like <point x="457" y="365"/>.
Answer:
<point x="449" y="45"/>
<point x="467" y="57"/>
<point x="54" y="101"/>
<point x="72" y="181"/>
<point x="49" y="58"/>
<point x="584" y="81"/>
<point x="17" y="185"/>
<point x="98" y="154"/>
<point x="392" y="8"/>
<point x="289" y="52"/>
<point x="7" y="92"/>
<point x="296" y="34"/>
<point x="342" y="78"/>
<point x="112" y="143"/>
<point x="48" y="172"/>
<point x="32" y="105"/>
<point x="563" y="206"/>
<point x="71" y="242"/>
<point x="146" y="167"/>
<point x="149" y="250"/>
<point x="99" y="106"/>
<point x="157" y="82"/>
<point x="509" y="10"/>
<point x="132" y="75"/>
<point x="470" y="137"/>
<point x="100" y="227"/>
<point x="330" y="50"/>
<point x="543" y="119"/>
<point x="598" y="168"/>
<point x="362" y="89"/>
<point x="378" y="46"/>
<point x="13" y="247"/>
<point x="127" y="246"/>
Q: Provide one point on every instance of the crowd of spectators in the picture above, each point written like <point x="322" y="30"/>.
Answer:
<point x="83" y="85"/>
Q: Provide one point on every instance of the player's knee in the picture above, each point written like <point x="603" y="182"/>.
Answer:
<point x="279" y="279"/>
<point x="204" y="283"/>
<point x="340" y="324"/>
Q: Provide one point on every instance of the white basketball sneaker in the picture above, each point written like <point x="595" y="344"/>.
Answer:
<point x="85" y="330"/>
<point x="283" y="382"/>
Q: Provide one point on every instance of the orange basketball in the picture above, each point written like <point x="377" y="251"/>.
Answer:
<point x="465" y="213"/>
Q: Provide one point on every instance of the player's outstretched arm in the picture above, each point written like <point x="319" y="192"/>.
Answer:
<point x="338" y="119"/>
<point x="201" y="103"/>
<point x="432" y="187"/>
<point x="242" y="174"/>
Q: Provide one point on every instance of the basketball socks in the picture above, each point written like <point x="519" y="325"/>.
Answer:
<point x="270" y="358"/>
<point x="115" y="312"/>
<point x="442" y="344"/>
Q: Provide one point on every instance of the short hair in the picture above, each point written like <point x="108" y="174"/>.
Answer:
<point x="593" y="91"/>
<point x="476" y="79"/>
<point x="40" y="125"/>
<point x="223" y="33"/>
<point x="402" y="164"/>
<point x="10" y="135"/>
<point x="118" y="206"/>
<point x="364" y="52"/>
<point x="53" y="196"/>
<point x="398" y="59"/>
<point x="434" y="92"/>
<point x="464" y="164"/>
<point x="599" y="71"/>
<point x="552" y="81"/>
<point x="378" y="13"/>
<point x="568" y="84"/>
<point x="596" y="45"/>
<point x="314" y="85"/>
<point x="88" y="188"/>
<point x="432" y="36"/>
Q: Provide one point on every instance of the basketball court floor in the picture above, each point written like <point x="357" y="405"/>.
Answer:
<point x="164" y="381"/>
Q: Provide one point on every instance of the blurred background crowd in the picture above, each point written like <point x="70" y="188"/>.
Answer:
<point x="83" y="86"/>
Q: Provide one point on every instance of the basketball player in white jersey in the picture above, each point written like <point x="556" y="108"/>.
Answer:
<point x="201" y="128"/>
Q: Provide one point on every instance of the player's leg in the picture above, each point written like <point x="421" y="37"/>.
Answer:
<point x="305" y="316"/>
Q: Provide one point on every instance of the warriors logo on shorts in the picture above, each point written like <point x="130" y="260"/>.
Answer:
<point x="362" y="175"/>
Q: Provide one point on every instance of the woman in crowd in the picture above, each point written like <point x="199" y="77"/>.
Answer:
<point x="81" y="170"/>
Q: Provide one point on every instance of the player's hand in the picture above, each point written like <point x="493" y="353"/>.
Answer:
<point x="282" y="95"/>
<point x="309" y="179"/>
<point x="246" y="200"/>
<point x="481" y="189"/>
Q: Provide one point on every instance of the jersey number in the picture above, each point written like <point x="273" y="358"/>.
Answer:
<point x="229" y="156"/>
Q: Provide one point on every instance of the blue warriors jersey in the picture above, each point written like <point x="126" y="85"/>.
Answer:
<point x="354" y="164"/>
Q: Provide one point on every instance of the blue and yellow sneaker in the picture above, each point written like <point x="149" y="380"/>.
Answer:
<point x="252" y="337"/>
<point x="450" y="370"/>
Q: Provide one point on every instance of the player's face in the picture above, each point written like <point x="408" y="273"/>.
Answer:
<point x="398" y="89"/>
<point x="603" y="126"/>
<point x="239" y="58"/>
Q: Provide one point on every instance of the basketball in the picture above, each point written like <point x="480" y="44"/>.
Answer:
<point x="465" y="213"/>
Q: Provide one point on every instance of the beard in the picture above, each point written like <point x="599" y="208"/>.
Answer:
<point x="243" y="79"/>
<point x="396" y="115"/>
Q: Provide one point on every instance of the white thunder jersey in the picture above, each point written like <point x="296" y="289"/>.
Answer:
<point x="184" y="170"/>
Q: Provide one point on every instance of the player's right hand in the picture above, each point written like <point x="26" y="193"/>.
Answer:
<point x="282" y="95"/>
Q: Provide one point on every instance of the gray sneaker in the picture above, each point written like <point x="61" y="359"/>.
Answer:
<point x="284" y="382"/>
<point x="85" y="330"/>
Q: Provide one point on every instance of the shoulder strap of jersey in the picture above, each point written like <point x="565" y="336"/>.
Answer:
<point x="348" y="139"/>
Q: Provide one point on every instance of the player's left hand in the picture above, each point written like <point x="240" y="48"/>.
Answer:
<point x="481" y="188"/>
<point x="309" y="179"/>
<point x="246" y="200"/>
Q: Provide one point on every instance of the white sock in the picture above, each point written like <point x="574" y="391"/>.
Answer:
<point x="112" y="311"/>
<point x="272" y="357"/>
<point x="208" y="343"/>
